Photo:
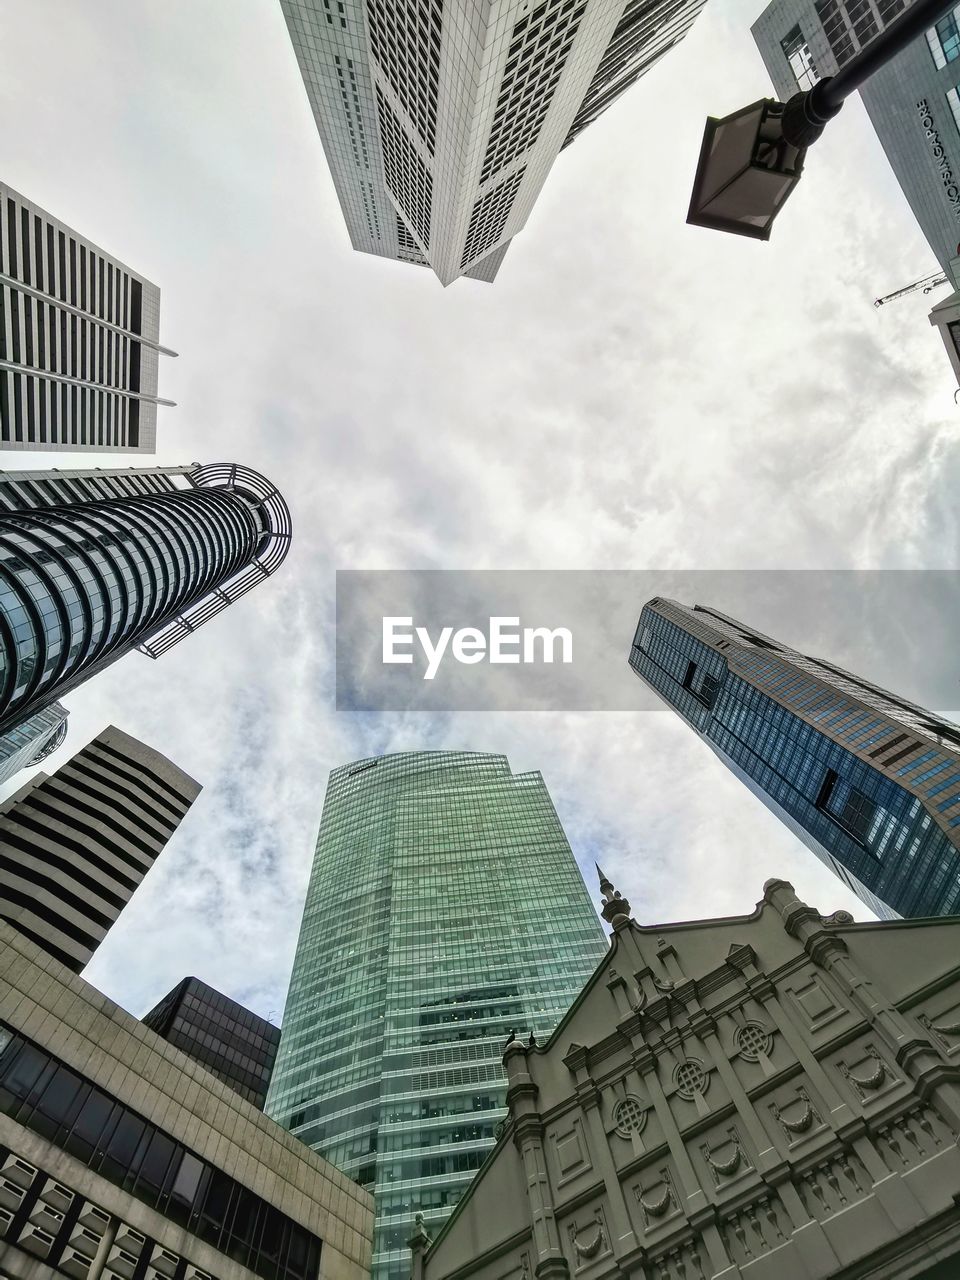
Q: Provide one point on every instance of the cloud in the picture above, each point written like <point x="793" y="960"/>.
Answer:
<point x="631" y="393"/>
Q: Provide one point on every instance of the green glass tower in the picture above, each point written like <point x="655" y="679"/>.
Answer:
<point x="445" y="911"/>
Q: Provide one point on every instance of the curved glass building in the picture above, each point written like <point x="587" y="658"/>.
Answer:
<point x="445" y="910"/>
<point x="93" y="564"/>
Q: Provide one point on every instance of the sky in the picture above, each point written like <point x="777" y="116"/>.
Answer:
<point x="631" y="393"/>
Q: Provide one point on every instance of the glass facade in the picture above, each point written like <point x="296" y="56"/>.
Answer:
<point x="445" y="910"/>
<point x="29" y="743"/>
<point x="869" y="781"/>
<point x="83" y="582"/>
<point x="47" y="1097"/>
<point x="235" y="1045"/>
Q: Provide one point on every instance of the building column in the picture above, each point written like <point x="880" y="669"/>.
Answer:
<point x="522" y="1095"/>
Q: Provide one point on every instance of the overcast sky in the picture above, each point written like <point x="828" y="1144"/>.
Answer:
<point x="631" y="393"/>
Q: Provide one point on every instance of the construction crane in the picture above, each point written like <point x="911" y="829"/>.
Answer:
<point x="926" y="285"/>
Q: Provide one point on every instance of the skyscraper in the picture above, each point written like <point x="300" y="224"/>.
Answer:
<point x="96" y="563"/>
<point x="79" y="340"/>
<point x="28" y="743"/>
<point x="74" y="846"/>
<point x="440" y="122"/>
<point x="867" y="780"/>
<point x="445" y="911"/>
<point x="234" y="1044"/>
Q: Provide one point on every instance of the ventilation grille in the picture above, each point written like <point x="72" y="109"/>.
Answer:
<point x="405" y="38"/>
<point x="538" y="51"/>
<point x="407" y="177"/>
<point x="489" y="218"/>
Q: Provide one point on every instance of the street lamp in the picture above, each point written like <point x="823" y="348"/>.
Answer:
<point x="750" y="161"/>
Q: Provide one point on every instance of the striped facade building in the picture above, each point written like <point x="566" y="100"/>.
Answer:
<point x="96" y="563"/>
<point x="74" y="846"/>
<point x="79" y="340"/>
<point x="440" y="121"/>
<point x="869" y="781"/>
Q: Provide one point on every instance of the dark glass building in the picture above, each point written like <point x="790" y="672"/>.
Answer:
<point x="96" y="563"/>
<point x="867" y="780"/>
<point x="235" y="1045"/>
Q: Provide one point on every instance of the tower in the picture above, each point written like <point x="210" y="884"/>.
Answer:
<point x="79" y="340"/>
<point x="440" y="121"/>
<point x="75" y="846"/>
<point x="445" y="913"/>
<point x="96" y="563"/>
<point x="28" y="743"/>
<point x="867" y="780"/>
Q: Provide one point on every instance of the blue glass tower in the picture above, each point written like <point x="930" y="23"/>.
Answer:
<point x="867" y="780"/>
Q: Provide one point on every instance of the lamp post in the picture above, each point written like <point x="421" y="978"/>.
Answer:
<point x="750" y="161"/>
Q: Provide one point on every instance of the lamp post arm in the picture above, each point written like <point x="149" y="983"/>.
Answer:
<point x="806" y="113"/>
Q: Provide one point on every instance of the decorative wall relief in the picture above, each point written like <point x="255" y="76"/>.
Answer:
<point x="944" y="1027"/>
<point x="570" y="1151"/>
<point x="798" y="1116"/>
<point x="629" y="1119"/>
<point x="589" y="1240"/>
<point x="755" y="1044"/>
<point x="692" y="1083"/>
<point x="726" y="1158"/>
<point x="868" y="1073"/>
<point x="658" y="1199"/>
<point x="814" y="1002"/>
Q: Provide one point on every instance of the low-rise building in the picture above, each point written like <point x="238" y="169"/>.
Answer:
<point x="772" y="1096"/>
<point x="123" y="1159"/>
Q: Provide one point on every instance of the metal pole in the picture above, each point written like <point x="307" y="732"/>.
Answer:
<point x="827" y="96"/>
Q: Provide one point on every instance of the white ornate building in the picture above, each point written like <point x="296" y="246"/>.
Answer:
<point x="772" y="1096"/>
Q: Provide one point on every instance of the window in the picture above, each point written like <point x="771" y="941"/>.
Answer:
<point x="797" y="53"/>
<point x="847" y="806"/>
<point x="944" y="39"/>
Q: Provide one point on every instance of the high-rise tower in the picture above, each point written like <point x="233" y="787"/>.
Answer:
<point x="79" y="340"/>
<point x="441" y="119"/>
<point x="445" y="911"/>
<point x="75" y="846"/>
<point x="96" y="563"/>
<point x="28" y="743"/>
<point x="867" y="780"/>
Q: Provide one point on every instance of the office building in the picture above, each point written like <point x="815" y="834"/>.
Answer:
<point x="440" y="122"/>
<point x="912" y="102"/>
<point x="28" y="743"/>
<point x="96" y="563"/>
<point x="74" y="846"/>
<point x="235" y="1045"/>
<point x="79" y="340"/>
<point x="445" y="909"/>
<point x="770" y="1095"/>
<point x="867" y="780"/>
<point x="122" y="1159"/>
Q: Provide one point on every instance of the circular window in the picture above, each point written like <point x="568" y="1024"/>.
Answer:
<point x="629" y="1116"/>
<point x="690" y="1079"/>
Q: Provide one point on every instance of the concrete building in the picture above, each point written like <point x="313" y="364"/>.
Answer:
<point x="28" y="743"/>
<point x="869" y="781"/>
<point x="773" y="1096"/>
<point x="123" y="1159"/>
<point x="79" y="340"/>
<point x="234" y="1044"/>
<point x="912" y="102"/>
<point x="441" y="121"/>
<point x="422" y="944"/>
<point x="75" y="846"/>
<point x="96" y="563"/>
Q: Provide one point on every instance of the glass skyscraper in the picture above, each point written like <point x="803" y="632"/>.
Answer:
<point x="445" y="910"/>
<point x="867" y="780"/>
<point x="28" y="743"/>
<point x="96" y="563"/>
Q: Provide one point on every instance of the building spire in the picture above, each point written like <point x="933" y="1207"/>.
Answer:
<point x="613" y="903"/>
